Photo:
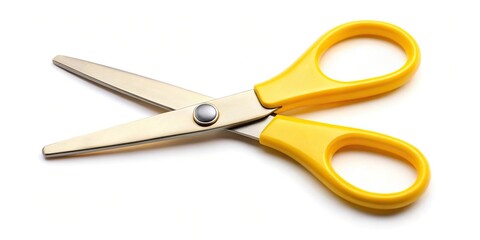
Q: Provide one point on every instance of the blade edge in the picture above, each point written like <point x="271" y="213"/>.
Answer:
<point x="154" y="92"/>
<point x="87" y="70"/>
<point x="233" y="110"/>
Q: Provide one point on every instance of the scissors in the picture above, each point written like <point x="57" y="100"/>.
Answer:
<point x="256" y="114"/>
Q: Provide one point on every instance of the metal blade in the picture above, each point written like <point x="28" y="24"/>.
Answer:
<point x="145" y="89"/>
<point x="148" y="90"/>
<point x="233" y="110"/>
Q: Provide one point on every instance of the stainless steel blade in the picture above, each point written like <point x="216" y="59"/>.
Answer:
<point x="145" y="89"/>
<point x="157" y="93"/>
<point x="233" y="110"/>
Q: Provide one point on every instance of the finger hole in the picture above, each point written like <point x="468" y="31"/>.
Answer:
<point x="360" y="58"/>
<point x="373" y="171"/>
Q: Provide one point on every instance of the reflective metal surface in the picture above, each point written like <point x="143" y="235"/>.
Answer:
<point x="151" y="91"/>
<point x="205" y="114"/>
<point x="145" y="89"/>
<point x="235" y="109"/>
<point x="253" y="130"/>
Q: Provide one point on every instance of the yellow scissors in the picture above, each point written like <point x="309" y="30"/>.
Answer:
<point x="254" y="114"/>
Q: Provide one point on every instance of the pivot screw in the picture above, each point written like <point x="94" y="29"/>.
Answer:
<point x="205" y="114"/>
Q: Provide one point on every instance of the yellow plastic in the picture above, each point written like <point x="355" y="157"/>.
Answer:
<point x="313" y="144"/>
<point x="303" y="83"/>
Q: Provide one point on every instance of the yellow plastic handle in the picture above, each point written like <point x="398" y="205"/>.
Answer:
<point x="313" y="144"/>
<point x="303" y="83"/>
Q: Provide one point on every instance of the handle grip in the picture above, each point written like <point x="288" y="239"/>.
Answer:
<point x="303" y="83"/>
<point x="313" y="144"/>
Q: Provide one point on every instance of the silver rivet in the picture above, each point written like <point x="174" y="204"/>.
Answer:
<point x="205" y="114"/>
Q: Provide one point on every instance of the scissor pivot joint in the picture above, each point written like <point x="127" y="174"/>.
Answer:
<point x="205" y="114"/>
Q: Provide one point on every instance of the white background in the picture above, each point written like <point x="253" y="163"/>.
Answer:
<point x="221" y="186"/>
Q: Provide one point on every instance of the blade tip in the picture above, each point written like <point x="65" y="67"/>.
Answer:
<point x="47" y="153"/>
<point x="58" y="59"/>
